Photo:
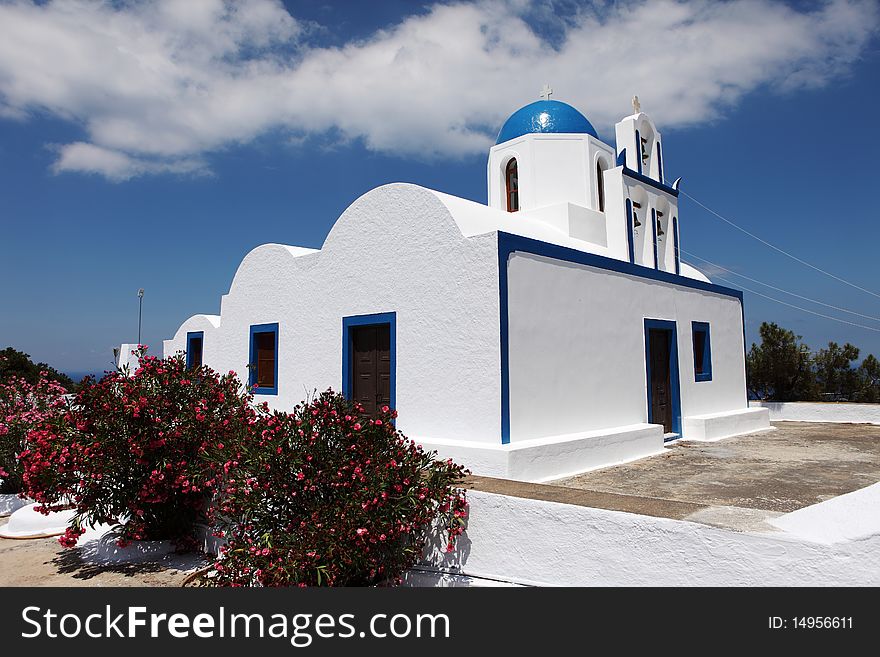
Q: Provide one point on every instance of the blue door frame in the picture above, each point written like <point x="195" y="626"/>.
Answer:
<point x="390" y="319"/>
<point x="674" y="381"/>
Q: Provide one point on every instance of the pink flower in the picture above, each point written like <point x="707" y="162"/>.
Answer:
<point x="361" y="531"/>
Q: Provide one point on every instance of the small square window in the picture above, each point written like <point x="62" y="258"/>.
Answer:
<point x="263" y="363"/>
<point x="702" y="351"/>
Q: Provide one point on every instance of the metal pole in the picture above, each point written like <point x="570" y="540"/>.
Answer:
<point x="140" y="311"/>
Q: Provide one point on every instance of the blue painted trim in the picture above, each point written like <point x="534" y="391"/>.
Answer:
<point x="638" y="152"/>
<point x="621" y="158"/>
<point x="702" y="329"/>
<point x="252" y="370"/>
<point x="675" y="244"/>
<point x="189" y="337"/>
<point x="654" y="236"/>
<point x="504" y="251"/>
<point x="659" y="163"/>
<point x="674" y="381"/>
<point x="629" y="230"/>
<point x="508" y="244"/>
<point x="373" y="319"/>
<point x="637" y="175"/>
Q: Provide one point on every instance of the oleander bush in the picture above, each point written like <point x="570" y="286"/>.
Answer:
<point x="325" y="496"/>
<point x="24" y="406"/>
<point x="322" y="495"/>
<point x="133" y="449"/>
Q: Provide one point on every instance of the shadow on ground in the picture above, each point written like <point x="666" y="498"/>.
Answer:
<point x="70" y="562"/>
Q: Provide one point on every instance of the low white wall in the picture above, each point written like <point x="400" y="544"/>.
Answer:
<point x="822" y="412"/>
<point x="555" y="457"/>
<point x="716" y="426"/>
<point x="547" y="543"/>
<point x="849" y="517"/>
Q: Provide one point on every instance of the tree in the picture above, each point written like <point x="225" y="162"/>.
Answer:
<point x="781" y="367"/>
<point x="869" y="381"/>
<point x="835" y="375"/>
<point x="14" y="363"/>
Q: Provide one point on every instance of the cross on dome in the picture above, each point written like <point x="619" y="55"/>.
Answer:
<point x="546" y="92"/>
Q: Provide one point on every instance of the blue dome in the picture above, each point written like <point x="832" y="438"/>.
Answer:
<point x="545" y="116"/>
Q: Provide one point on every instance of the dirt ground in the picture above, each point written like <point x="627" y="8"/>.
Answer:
<point x="43" y="562"/>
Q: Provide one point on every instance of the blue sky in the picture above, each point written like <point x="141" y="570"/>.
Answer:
<point x="154" y="144"/>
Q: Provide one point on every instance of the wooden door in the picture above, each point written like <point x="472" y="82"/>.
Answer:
<point x="195" y="352"/>
<point x="661" y="384"/>
<point x="371" y="366"/>
<point x="265" y="350"/>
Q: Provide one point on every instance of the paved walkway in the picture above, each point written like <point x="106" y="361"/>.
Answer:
<point x="736" y="483"/>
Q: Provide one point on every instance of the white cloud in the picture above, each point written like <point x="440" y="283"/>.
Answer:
<point x="115" y="165"/>
<point x="158" y="85"/>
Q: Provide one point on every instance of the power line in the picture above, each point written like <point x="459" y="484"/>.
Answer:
<point x="806" y="310"/>
<point x="782" y="251"/>
<point x="779" y="289"/>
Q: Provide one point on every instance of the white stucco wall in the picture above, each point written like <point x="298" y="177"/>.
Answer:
<point x="577" y="347"/>
<point x="553" y="168"/>
<point x="512" y="539"/>
<point x="822" y="412"/>
<point x="126" y="359"/>
<point x="396" y="249"/>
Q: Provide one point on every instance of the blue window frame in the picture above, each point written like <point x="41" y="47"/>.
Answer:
<point x="674" y="382"/>
<point x="702" y="351"/>
<point x="263" y="359"/>
<point x="368" y="320"/>
<point x="195" y="344"/>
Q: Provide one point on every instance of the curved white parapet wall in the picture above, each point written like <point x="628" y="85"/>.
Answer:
<point x="396" y="249"/>
<point x="27" y="523"/>
<point x="207" y="324"/>
<point x="10" y="503"/>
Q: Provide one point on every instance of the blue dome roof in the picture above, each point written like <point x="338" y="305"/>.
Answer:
<point x="545" y="116"/>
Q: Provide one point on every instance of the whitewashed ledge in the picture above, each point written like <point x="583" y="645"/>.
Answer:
<point x="821" y="412"/>
<point x="26" y="522"/>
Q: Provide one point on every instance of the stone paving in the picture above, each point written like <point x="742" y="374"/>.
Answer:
<point x="736" y="483"/>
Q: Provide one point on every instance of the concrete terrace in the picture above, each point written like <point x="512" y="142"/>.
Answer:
<point x="737" y="483"/>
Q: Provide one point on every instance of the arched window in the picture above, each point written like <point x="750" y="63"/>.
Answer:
<point x="600" y="186"/>
<point x="511" y="178"/>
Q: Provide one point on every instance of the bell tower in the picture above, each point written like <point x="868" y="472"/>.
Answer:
<point x="639" y="145"/>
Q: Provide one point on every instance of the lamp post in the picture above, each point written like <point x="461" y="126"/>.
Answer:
<point x="140" y="310"/>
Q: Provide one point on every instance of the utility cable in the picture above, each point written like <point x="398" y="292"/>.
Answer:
<point x="782" y="251"/>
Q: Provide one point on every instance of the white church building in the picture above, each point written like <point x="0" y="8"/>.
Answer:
<point x="549" y="332"/>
